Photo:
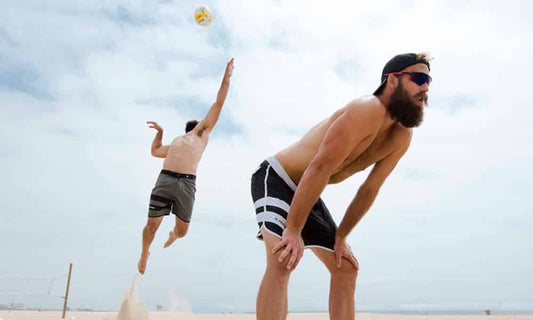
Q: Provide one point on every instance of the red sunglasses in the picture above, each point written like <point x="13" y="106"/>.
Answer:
<point x="417" y="77"/>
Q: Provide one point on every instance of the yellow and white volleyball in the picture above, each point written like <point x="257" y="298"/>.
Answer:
<point x="203" y="15"/>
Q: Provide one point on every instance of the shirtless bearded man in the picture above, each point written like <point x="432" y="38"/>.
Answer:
<point x="371" y="130"/>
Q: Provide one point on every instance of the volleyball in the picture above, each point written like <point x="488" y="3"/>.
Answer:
<point x="203" y="15"/>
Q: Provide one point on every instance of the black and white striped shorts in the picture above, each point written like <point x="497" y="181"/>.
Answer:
<point x="272" y="193"/>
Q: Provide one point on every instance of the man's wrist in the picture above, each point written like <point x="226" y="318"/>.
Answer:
<point x="340" y="238"/>
<point x="293" y="230"/>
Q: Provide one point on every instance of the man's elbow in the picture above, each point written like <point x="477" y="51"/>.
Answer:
<point x="319" y="167"/>
<point x="157" y="153"/>
<point x="325" y="161"/>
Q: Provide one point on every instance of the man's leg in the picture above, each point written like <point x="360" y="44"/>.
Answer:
<point x="272" y="296"/>
<point x="342" y="286"/>
<point x="148" y="236"/>
<point x="179" y="231"/>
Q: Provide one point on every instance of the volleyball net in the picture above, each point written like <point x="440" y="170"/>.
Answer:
<point x="22" y="285"/>
<point x="17" y="290"/>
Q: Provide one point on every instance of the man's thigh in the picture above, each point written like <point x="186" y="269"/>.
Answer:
<point x="271" y="240"/>
<point x="328" y="259"/>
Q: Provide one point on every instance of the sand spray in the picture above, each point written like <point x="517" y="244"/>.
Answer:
<point x="131" y="309"/>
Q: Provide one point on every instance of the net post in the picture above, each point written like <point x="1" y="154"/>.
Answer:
<point x="66" y="294"/>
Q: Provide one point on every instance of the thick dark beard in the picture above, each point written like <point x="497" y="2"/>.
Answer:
<point x="404" y="110"/>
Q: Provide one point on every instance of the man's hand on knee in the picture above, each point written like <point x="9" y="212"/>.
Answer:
<point x="343" y="250"/>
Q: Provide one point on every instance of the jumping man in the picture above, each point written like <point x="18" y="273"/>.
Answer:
<point x="176" y="185"/>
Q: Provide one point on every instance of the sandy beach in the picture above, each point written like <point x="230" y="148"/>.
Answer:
<point x="56" y="315"/>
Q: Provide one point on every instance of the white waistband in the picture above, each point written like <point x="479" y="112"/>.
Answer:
<point x="281" y="172"/>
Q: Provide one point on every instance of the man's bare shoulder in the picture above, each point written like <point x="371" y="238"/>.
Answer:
<point x="197" y="136"/>
<point x="201" y="130"/>
<point x="369" y="107"/>
<point x="366" y="104"/>
<point x="178" y="139"/>
<point x="186" y="139"/>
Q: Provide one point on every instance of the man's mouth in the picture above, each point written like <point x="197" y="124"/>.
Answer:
<point x="421" y="99"/>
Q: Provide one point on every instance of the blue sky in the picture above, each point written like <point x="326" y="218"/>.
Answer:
<point x="450" y="229"/>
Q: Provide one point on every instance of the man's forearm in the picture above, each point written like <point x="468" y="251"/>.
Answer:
<point x="157" y="140"/>
<point x="311" y="185"/>
<point x="356" y="210"/>
<point x="223" y="91"/>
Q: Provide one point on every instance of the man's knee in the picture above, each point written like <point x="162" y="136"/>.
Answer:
<point x="278" y="269"/>
<point x="153" y="224"/>
<point x="180" y="232"/>
<point x="347" y="271"/>
<point x="181" y="227"/>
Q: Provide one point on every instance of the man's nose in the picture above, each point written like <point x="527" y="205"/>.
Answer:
<point x="425" y="87"/>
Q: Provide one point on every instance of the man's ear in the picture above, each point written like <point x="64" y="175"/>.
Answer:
<point x="392" y="81"/>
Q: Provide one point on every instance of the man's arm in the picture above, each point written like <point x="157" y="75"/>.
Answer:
<point x="348" y="130"/>
<point x="369" y="189"/>
<point x="365" y="197"/>
<point x="212" y="115"/>
<point x="158" y="149"/>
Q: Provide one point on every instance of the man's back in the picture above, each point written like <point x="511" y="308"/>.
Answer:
<point x="185" y="152"/>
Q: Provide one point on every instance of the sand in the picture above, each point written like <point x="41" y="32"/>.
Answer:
<point x="132" y="309"/>
<point x="56" y="315"/>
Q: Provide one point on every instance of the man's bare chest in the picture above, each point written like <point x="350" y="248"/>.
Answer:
<point x="364" y="155"/>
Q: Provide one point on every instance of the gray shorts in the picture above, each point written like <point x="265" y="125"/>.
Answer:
<point x="173" y="192"/>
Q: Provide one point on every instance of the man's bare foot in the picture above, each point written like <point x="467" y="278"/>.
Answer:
<point x="172" y="236"/>
<point x="142" y="263"/>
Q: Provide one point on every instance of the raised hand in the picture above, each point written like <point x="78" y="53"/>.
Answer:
<point x="155" y="125"/>
<point x="229" y="69"/>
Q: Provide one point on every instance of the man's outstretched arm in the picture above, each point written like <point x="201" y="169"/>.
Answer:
<point x="212" y="115"/>
<point x="158" y="149"/>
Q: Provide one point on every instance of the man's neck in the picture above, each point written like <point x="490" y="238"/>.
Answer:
<point x="388" y="121"/>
